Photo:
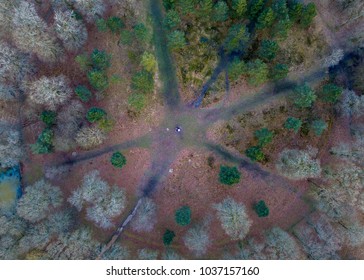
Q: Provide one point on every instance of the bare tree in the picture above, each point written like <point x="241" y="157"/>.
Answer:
<point x="197" y="239"/>
<point x="7" y="93"/>
<point x="233" y="217"/>
<point x="31" y="34"/>
<point x="11" y="149"/>
<point x="145" y="217"/>
<point x="50" y="91"/>
<point x="7" y="8"/>
<point x="38" y="201"/>
<point x="71" y="31"/>
<point x="298" y="164"/>
<point x="147" y="254"/>
<point x="352" y="104"/>
<point x="117" y="252"/>
<point x="89" y="137"/>
<point x="334" y="58"/>
<point x="101" y="201"/>
<point x="92" y="9"/>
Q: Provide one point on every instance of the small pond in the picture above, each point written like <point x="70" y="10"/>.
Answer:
<point x="10" y="187"/>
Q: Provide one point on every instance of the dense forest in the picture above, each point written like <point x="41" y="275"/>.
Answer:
<point x="181" y="129"/>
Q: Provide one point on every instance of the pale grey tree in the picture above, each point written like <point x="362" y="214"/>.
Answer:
<point x="197" y="239"/>
<point x="11" y="148"/>
<point x="298" y="164"/>
<point x="90" y="137"/>
<point x="72" y="32"/>
<point x="233" y="217"/>
<point x="91" y="9"/>
<point x="31" y="34"/>
<point x="147" y="254"/>
<point x="145" y="217"/>
<point x="50" y="92"/>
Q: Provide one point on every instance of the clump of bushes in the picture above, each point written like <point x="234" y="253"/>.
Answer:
<point x="261" y="209"/>
<point x="183" y="216"/>
<point x="118" y="160"/>
<point x="229" y="175"/>
<point x="168" y="237"/>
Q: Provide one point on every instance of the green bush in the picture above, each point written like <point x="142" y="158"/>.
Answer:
<point x="95" y="114"/>
<point x="101" y="25"/>
<point x="257" y="72"/>
<point x="308" y="14"/>
<point x="318" y="127"/>
<point x="330" y="93"/>
<point x="176" y="40"/>
<point x="148" y="62"/>
<point x="100" y="59"/>
<point x="168" y="237"/>
<point x="172" y="19"/>
<point x="236" y="69"/>
<point x="118" y="159"/>
<point x="268" y="50"/>
<point x="83" y="93"/>
<point x="264" y="136"/>
<point x="83" y="61"/>
<point x="255" y="153"/>
<point x="44" y="144"/>
<point x="261" y="209"/>
<point x="293" y="124"/>
<point x="136" y="101"/>
<point x="142" y="82"/>
<point x="98" y="79"/>
<point x="126" y="37"/>
<point x="48" y="117"/>
<point x="142" y="34"/>
<point x="115" y="24"/>
<point x="229" y="175"/>
<point x="183" y="216"/>
<point x="279" y="71"/>
<point x="304" y="96"/>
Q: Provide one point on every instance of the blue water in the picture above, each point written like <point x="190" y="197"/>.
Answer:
<point x="10" y="183"/>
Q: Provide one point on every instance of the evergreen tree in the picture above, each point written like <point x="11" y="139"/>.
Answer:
<point x="229" y="175"/>
<point x="279" y="71"/>
<point x="183" y="216"/>
<point x="261" y="209"/>
<point x="265" y="19"/>
<point x="83" y="93"/>
<point x="257" y="72"/>
<point x="176" y="40"/>
<point x="264" y="136"/>
<point x="255" y="7"/>
<point x="95" y="114"/>
<point x="220" y="12"/>
<point x="168" y="237"/>
<point x="142" y="82"/>
<point x="304" y="96"/>
<point x="331" y="93"/>
<point x="172" y="19"/>
<point x="148" y="62"/>
<point x="236" y="69"/>
<point x="255" y="153"/>
<point x="240" y="7"/>
<point x="118" y="159"/>
<point x="293" y="124"/>
<point x="318" y="127"/>
<point x="237" y="38"/>
<point x="268" y="50"/>
<point x="308" y="14"/>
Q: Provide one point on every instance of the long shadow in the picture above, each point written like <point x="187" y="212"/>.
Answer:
<point x="272" y="92"/>
<point x="250" y="166"/>
<point x="143" y="142"/>
<point x="165" y="63"/>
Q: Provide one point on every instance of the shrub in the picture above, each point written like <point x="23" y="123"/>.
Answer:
<point x="118" y="160"/>
<point x="142" y="33"/>
<point x="100" y="59"/>
<point x="331" y="93"/>
<point x="229" y="175"/>
<point x="172" y="19"/>
<point x="298" y="164"/>
<point x="255" y="153"/>
<point x="233" y="217"/>
<point x="236" y="68"/>
<point x="168" y="237"/>
<point x="293" y="124"/>
<point x="48" y="117"/>
<point x="239" y="7"/>
<point x="83" y="93"/>
<point x="176" y="40"/>
<point x="98" y="79"/>
<point x="236" y="39"/>
<point x="308" y="14"/>
<point x="72" y="32"/>
<point x="95" y="114"/>
<point x="136" y="101"/>
<point x="83" y="61"/>
<point x="38" y="201"/>
<point x="265" y="19"/>
<point x="50" y="91"/>
<point x="220" y="12"/>
<point x="318" y="127"/>
<point x="183" y="216"/>
<point x="142" y="82"/>
<point x="279" y="71"/>
<point x="106" y="124"/>
<point x="257" y="72"/>
<point x="126" y="37"/>
<point x="304" y="96"/>
<point x="148" y="62"/>
<point x="101" y="25"/>
<point x="115" y="24"/>
<point x="44" y="144"/>
<point x="261" y="209"/>
<point x="268" y="50"/>
<point x="264" y="136"/>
